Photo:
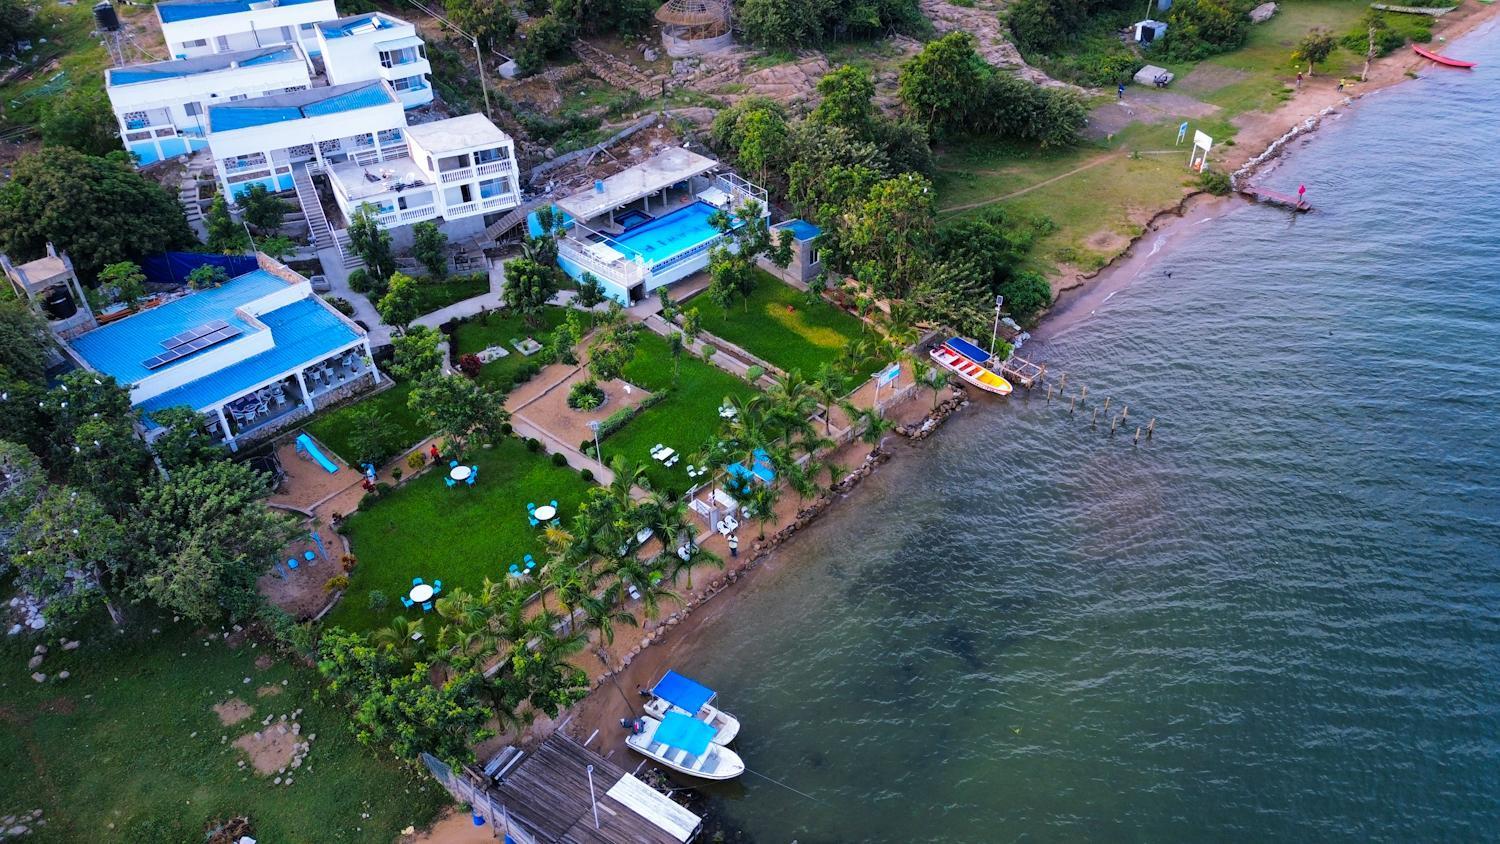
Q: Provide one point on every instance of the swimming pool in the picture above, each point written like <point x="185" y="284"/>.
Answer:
<point x="666" y="236"/>
<point x="632" y="218"/>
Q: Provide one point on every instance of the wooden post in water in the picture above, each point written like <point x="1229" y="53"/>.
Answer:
<point x="1150" y="427"/>
<point x="1094" y="422"/>
<point x="1083" y="394"/>
<point x="1137" y="435"/>
<point x="1049" y="394"/>
<point x="1112" y="424"/>
<point x="1072" y="405"/>
<point x="1106" y="404"/>
<point x="1125" y="412"/>
<point x="1062" y="383"/>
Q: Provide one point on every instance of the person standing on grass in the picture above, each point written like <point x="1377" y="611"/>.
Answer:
<point x="434" y="452"/>
<point x="734" y="545"/>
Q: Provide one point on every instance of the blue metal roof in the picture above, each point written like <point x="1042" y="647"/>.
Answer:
<point x="172" y="11"/>
<point x="120" y="347"/>
<point x="680" y="731"/>
<point x="179" y="68"/>
<point x="682" y="692"/>
<point x="303" y="332"/>
<point x="315" y="102"/>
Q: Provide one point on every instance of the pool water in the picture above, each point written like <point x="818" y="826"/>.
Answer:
<point x="632" y="218"/>
<point x="666" y="236"/>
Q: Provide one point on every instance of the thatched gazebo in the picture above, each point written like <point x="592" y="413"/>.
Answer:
<point x="692" y="27"/>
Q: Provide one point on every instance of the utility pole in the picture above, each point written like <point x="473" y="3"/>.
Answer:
<point x="484" y="85"/>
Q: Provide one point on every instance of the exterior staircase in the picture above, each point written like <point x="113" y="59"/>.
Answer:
<point x="319" y="231"/>
<point x="352" y="261"/>
<point x="516" y="216"/>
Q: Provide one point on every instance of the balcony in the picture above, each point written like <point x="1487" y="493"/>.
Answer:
<point x="462" y="210"/>
<point x="462" y="174"/>
<point x="489" y="168"/>
<point x="500" y="202"/>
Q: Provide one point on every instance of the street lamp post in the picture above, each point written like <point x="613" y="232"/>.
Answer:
<point x="594" y="426"/>
<point x="592" y="799"/>
<point x="995" y="332"/>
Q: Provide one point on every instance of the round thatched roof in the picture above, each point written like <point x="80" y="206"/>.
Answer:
<point x="693" y="12"/>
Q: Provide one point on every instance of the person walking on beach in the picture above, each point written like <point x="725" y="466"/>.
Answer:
<point x="1299" y="80"/>
<point x="734" y="545"/>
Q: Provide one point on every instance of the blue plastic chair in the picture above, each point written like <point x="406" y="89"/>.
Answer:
<point x="530" y="506"/>
<point x="309" y="556"/>
<point x="452" y="464"/>
<point x="406" y="602"/>
<point x="473" y="476"/>
<point x="554" y="503"/>
<point x="416" y="581"/>
<point x="450" y="482"/>
<point x="426" y="606"/>
<point x="530" y="563"/>
<point x="515" y="570"/>
<point x="533" y="521"/>
<point x="557" y="523"/>
<point x="291" y="563"/>
<point x="437" y="586"/>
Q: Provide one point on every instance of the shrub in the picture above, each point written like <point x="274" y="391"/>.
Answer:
<point x="559" y="459"/>
<point x="382" y="488"/>
<point x="532" y="445"/>
<point x="754" y="371"/>
<point x="337" y="582"/>
<point x="505" y="385"/>
<point x="585" y="395"/>
<point x="470" y="365"/>
<point x="506" y="428"/>
<point x="415" y="461"/>
<point x="340" y="304"/>
<point x="587" y="475"/>
<point x="359" y="280"/>
<point x="396" y="474"/>
<point x="377" y="600"/>
<point x="1214" y="181"/>
<point x="348" y="562"/>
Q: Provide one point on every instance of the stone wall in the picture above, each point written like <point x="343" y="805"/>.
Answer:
<point x="348" y="389"/>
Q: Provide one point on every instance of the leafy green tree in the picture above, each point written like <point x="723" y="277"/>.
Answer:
<point x="183" y="443"/>
<point x="1315" y="47"/>
<point x="600" y="17"/>
<point x="456" y="407"/>
<point x="942" y="84"/>
<point x="1026" y="295"/>
<point x="731" y="262"/>
<point x="692" y="323"/>
<point x="430" y="246"/>
<point x="675" y="346"/>
<point x="763" y="141"/>
<point x="91" y="441"/>
<point x="207" y="277"/>
<point x="886" y="237"/>
<point x="278" y="246"/>
<point x="528" y="287"/>
<point x="371" y="438"/>
<point x="1043" y="26"/>
<point x="543" y="39"/>
<point x="401" y="303"/>
<point x="613" y="347"/>
<point x="371" y="243"/>
<point x="262" y="209"/>
<point x="22" y="482"/>
<point x="97" y="210"/>
<point x="1197" y="29"/>
<point x="225" y="235"/>
<point x="83" y="120"/>
<point x="590" y="291"/>
<point x="124" y="281"/>
<point x="491" y="21"/>
<point x="848" y="96"/>
<point x="417" y="355"/>
<point x="16" y="24"/>
<point x="203" y="537"/>
<point x="71" y="546"/>
<point x="23" y="341"/>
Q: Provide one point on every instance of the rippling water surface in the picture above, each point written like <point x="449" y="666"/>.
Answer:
<point x="1277" y="621"/>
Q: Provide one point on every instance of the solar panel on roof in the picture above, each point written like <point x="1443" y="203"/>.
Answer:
<point x="194" y="333"/>
<point x="190" y="341"/>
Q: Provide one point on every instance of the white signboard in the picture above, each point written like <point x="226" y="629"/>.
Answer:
<point x="1201" y="145"/>
<point x="889" y="375"/>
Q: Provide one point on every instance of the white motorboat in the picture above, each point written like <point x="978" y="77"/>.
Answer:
<point x="685" y="744"/>
<point x="676" y="693"/>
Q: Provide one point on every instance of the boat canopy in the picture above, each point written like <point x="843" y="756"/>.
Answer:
<point x="969" y="350"/>
<point x="685" y="733"/>
<point x="682" y="692"/>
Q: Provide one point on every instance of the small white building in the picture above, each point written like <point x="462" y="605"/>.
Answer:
<point x="648" y="225"/>
<point x="253" y="355"/>
<point x="461" y="171"/>
<point x="261" y="140"/>
<point x="163" y="107"/>
<point x="377" y="46"/>
<point x="200" y="27"/>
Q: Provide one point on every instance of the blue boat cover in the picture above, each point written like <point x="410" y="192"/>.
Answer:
<point x="684" y="733"/>
<point x="682" y="692"/>
<point x="969" y="350"/>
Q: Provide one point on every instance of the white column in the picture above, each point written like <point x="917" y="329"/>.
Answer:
<point x="373" y="368"/>
<point x="224" y="426"/>
<point x="306" y="397"/>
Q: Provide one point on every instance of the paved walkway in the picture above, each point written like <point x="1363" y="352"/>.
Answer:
<point x="338" y="279"/>
<point x="469" y="307"/>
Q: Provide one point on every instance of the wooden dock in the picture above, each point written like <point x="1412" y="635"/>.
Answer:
<point x="1271" y="197"/>
<point x="1023" y="372"/>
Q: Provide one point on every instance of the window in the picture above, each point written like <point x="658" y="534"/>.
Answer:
<point x="307" y="27"/>
<point x="390" y="136"/>
<point x="485" y="156"/>
<point x="410" y="83"/>
<point x="493" y="187"/>
<point x="237" y="97"/>
<point x="193" y="109"/>
<point x="286" y="34"/>
<point x="196" y="42"/>
<point x="221" y="44"/>
<point x="136" y="120"/>
<point x="812" y="255"/>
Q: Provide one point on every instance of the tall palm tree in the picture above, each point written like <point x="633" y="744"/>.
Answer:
<point x="397" y="638"/>
<point x="827" y="388"/>
<point x="603" y="611"/>
<point x="647" y="578"/>
<point x="696" y="557"/>
<point x="935" y="380"/>
<point x="875" y="427"/>
<point x="763" y="500"/>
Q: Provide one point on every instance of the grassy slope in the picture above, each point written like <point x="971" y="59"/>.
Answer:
<point x="684" y="420"/>
<point x="459" y="536"/>
<point x="110" y="754"/>
<point x="334" y="429"/>
<point x="475" y="336"/>
<point x="802" y="338"/>
<point x="432" y="295"/>
<point x="68" y="30"/>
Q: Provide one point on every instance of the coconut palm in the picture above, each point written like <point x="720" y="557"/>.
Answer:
<point x="603" y="611"/>
<point x="827" y="388"/>
<point x="873" y="426"/>
<point x="935" y="380"/>
<point x="763" y="500"/>
<point x="647" y="578"/>
<point x="397" y="638"/>
<point x="696" y="557"/>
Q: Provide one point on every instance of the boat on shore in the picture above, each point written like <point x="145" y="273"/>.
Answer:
<point x="685" y="745"/>
<point x="1440" y="58"/>
<point x="676" y="693"/>
<point x="969" y="362"/>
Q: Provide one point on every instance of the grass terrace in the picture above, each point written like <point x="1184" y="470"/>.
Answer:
<point x="459" y="535"/>
<point x="433" y="294"/>
<point x="129" y="749"/>
<point x="335" y="428"/>
<point x="779" y="324"/>
<point x="476" y="335"/>
<point x="684" y="420"/>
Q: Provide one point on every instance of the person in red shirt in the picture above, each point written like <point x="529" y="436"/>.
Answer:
<point x="434" y="452"/>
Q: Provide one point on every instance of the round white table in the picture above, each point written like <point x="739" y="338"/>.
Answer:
<point x="420" y="593"/>
<point x="544" y="513"/>
<point x="460" y="473"/>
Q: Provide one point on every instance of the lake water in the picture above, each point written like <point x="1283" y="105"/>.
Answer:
<point x="1279" y="620"/>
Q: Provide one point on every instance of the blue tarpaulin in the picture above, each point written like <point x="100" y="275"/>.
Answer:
<point x="174" y="267"/>
<point x="684" y="733"/>
<point x="968" y="350"/>
<point x="682" y="692"/>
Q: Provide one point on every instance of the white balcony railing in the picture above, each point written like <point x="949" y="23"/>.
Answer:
<point x="460" y="175"/>
<point x="504" y="200"/>
<point x="461" y="210"/>
<point x="624" y="273"/>
<point x="505" y="165"/>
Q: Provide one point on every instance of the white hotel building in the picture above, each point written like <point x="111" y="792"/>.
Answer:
<point x="377" y="46"/>
<point x="202" y="27"/>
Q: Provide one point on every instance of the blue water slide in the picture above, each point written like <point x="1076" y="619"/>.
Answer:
<point x="306" y="445"/>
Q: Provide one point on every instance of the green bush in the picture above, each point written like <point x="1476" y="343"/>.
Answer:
<point x="559" y="459"/>
<point x="505" y="429"/>
<point x="377" y="600"/>
<point x="1215" y="182"/>
<point x="533" y="445"/>
<point x="585" y="395"/>
<point x="587" y="475"/>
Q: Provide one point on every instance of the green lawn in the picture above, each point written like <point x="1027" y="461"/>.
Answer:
<point x="684" y="420"/>
<point x="128" y="750"/>
<point x="432" y="295"/>
<point x="480" y="333"/>
<point x="334" y="428"/>
<point x="459" y="535"/>
<point x="780" y="325"/>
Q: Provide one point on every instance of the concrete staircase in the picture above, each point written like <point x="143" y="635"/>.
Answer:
<point x="319" y="231"/>
<point x="352" y="261"/>
<point x="516" y="216"/>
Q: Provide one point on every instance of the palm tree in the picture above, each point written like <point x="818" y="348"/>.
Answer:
<point x="875" y="427"/>
<point x="827" y="388"/>
<point x="696" y="557"/>
<point x="601" y="612"/>
<point x="934" y="379"/>
<point x="802" y="477"/>
<point x="629" y="570"/>
<point x="763" y="500"/>
<point x="397" y="638"/>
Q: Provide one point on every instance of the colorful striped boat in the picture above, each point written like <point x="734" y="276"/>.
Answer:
<point x="963" y="364"/>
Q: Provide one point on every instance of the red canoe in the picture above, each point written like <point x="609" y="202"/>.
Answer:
<point x="1440" y="58"/>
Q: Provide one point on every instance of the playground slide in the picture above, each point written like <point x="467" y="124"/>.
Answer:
<point x="306" y="445"/>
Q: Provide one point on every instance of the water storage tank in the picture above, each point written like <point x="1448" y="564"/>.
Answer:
<point x="104" y="15"/>
<point x="57" y="304"/>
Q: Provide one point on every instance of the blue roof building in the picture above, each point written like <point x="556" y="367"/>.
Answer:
<point x="202" y="27"/>
<point x="253" y="355"/>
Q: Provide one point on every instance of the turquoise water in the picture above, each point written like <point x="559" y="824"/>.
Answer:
<point x="666" y="236"/>
<point x="1275" y="621"/>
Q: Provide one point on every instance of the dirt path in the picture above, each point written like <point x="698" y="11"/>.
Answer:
<point x="1090" y="164"/>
